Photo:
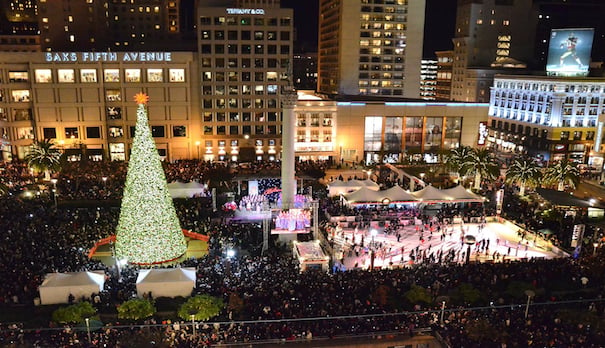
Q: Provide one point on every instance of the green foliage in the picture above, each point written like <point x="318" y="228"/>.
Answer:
<point x="562" y="173"/>
<point x="75" y="313"/>
<point x="525" y="172"/>
<point x="418" y="294"/>
<point x="203" y="307"/>
<point x="44" y="157"/>
<point x="148" y="229"/>
<point x="466" y="294"/>
<point x="516" y="289"/>
<point x="136" y="309"/>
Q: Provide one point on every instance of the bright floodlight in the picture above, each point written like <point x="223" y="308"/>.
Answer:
<point x="230" y="253"/>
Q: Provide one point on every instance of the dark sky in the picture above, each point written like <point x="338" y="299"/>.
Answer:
<point x="438" y="29"/>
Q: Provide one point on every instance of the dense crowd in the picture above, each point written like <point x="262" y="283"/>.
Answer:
<point x="274" y="296"/>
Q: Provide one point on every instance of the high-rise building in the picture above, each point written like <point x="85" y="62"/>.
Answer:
<point x="428" y="79"/>
<point x="19" y="26"/>
<point x="372" y="48"/>
<point x="490" y="35"/>
<point x="116" y="25"/>
<point x="444" y="75"/>
<point x="245" y="52"/>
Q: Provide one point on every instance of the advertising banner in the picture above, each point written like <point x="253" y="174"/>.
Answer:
<point x="569" y="52"/>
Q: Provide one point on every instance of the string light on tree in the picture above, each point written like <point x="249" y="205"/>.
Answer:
<point x="148" y="230"/>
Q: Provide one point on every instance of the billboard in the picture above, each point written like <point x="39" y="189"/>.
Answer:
<point x="569" y="52"/>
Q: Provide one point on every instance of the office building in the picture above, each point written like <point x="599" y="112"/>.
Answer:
<point x="245" y="56"/>
<point x="372" y="49"/>
<point x="443" y="89"/>
<point x="19" y="26"/>
<point x="548" y="117"/>
<point x="490" y="35"/>
<point x="428" y="79"/>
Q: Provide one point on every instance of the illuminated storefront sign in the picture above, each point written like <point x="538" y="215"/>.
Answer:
<point x="245" y="11"/>
<point x="64" y="57"/>
<point x="483" y="133"/>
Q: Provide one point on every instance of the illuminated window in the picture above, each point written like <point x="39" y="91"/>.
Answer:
<point x="111" y="75"/>
<point x="66" y="75"/>
<point x="133" y="75"/>
<point x="88" y="75"/>
<point x="177" y="75"/>
<point x="43" y="76"/>
<point x="156" y="75"/>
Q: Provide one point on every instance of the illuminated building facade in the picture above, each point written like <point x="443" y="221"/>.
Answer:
<point x="548" y="117"/>
<point x="443" y="90"/>
<point x="428" y="79"/>
<point x="372" y="48"/>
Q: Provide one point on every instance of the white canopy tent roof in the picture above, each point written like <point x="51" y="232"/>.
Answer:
<point x="339" y="187"/>
<point x="185" y="189"/>
<point x="57" y="287"/>
<point x="398" y="194"/>
<point x="166" y="282"/>
<point x="364" y="195"/>
<point x="460" y="194"/>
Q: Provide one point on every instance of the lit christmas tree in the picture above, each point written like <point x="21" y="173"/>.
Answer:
<point x="148" y="230"/>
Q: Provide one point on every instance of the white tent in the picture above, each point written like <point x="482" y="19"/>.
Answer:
<point x="185" y="189"/>
<point x="370" y="184"/>
<point x="57" y="287"/>
<point x="166" y="282"/>
<point x="431" y="194"/>
<point x="460" y="194"/>
<point x="397" y="194"/>
<point x="364" y="195"/>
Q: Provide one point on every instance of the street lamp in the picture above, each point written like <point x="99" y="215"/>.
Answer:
<point x="530" y="294"/>
<point x="88" y="328"/>
<point x="443" y="300"/>
<point x="595" y="245"/>
<point x="104" y="182"/>
<point x="197" y="144"/>
<point x="54" y="182"/>
<point x="373" y="232"/>
<point x="192" y="313"/>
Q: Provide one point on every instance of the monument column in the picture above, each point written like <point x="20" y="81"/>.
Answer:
<point x="288" y="180"/>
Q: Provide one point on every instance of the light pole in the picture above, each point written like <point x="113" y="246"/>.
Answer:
<point x="88" y="328"/>
<point x="54" y="182"/>
<point x="104" y="182"/>
<point x="373" y="232"/>
<point x="192" y="313"/>
<point x="530" y="294"/>
<point x="443" y="300"/>
<point x="197" y="145"/>
<point x="595" y="245"/>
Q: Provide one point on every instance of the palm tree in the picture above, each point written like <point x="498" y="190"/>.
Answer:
<point x="457" y="157"/>
<point x="562" y="172"/>
<point x="524" y="171"/>
<point x="482" y="164"/>
<point x="44" y="157"/>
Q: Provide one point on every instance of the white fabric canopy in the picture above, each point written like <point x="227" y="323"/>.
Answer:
<point x="57" y="287"/>
<point x="185" y="189"/>
<point x="459" y="193"/>
<point x="364" y="194"/>
<point x="166" y="282"/>
<point x="431" y="193"/>
<point x="398" y="194"/>
<point x="339" y="187"/>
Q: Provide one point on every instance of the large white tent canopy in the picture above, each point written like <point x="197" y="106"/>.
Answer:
<point x="428" y="194"/>
<point x="166" y="282"/>
<point x="339" y="187"/>
<point x="57" y="287"/>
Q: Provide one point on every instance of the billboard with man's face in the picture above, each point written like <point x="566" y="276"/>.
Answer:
<point x="569" y="52"/>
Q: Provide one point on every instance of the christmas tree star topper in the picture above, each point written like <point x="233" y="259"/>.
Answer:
<point x="141" y="98"/>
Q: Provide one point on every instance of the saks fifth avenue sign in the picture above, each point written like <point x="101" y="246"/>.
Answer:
<point x="88" y="57"/>
<point x="246" y="11"/>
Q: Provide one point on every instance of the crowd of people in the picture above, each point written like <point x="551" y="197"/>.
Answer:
<point x="267" y="296"/>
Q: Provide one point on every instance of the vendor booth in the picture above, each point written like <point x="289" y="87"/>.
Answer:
<point x="310" y="256"/>
<point x="166" y="282"/>
<point x="57" y="287"/>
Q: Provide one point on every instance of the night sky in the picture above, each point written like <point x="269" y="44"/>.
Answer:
<point x="438" y="31"/>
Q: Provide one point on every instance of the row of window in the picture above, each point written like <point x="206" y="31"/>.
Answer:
<point x="234" y="35"/>
<point x="380" y="51"/>
<point x="313" y="136"/>
<point x="381" y="67"/>
<point x="245" y="76"/>
<point x="260" y="116"/>
<point x="245" y="21"/>
<point x="239" y="90"/>
<point x="236" y="62"/>
<point x="112" y="132"/>
<point x="550" y="87"/>
<point x="244" y="49"/>
<point x="381" y="59"/>
<point x="91" y="75"/>
<point x="257" y="103"/>
<point x="244" y="130"/>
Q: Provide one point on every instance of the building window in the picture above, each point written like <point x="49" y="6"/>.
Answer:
<point x="88" y="75"/>
<point x="133" y="75"/>
<point x="155" y="75"/>
<point x="115" y="132"/>
<point x="179" y="131"/>
<point x="565" y="135"/>
<point x="20" y="95"/>
<point x="18" y="76"/>
<point x="66" y="76"/>
<point x="22" y="114"/>
<point x="114" y="113"/>
<point x="43" y="76"/>
<point x="117" y="152"/>
<point x="577" y="135"/>
<point x="93" y="132"/>
<point x="71" y="132"/>
<point x="233" y="130"/>
<point x="207" y="130"/>
<point x="111" y="75"/>
<point x="158" y="131"/>
<point x="177" y="75"/>
<point x="113" y="95"/>
<point x="25" y="133"/>
<point x="49" y="133"/>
